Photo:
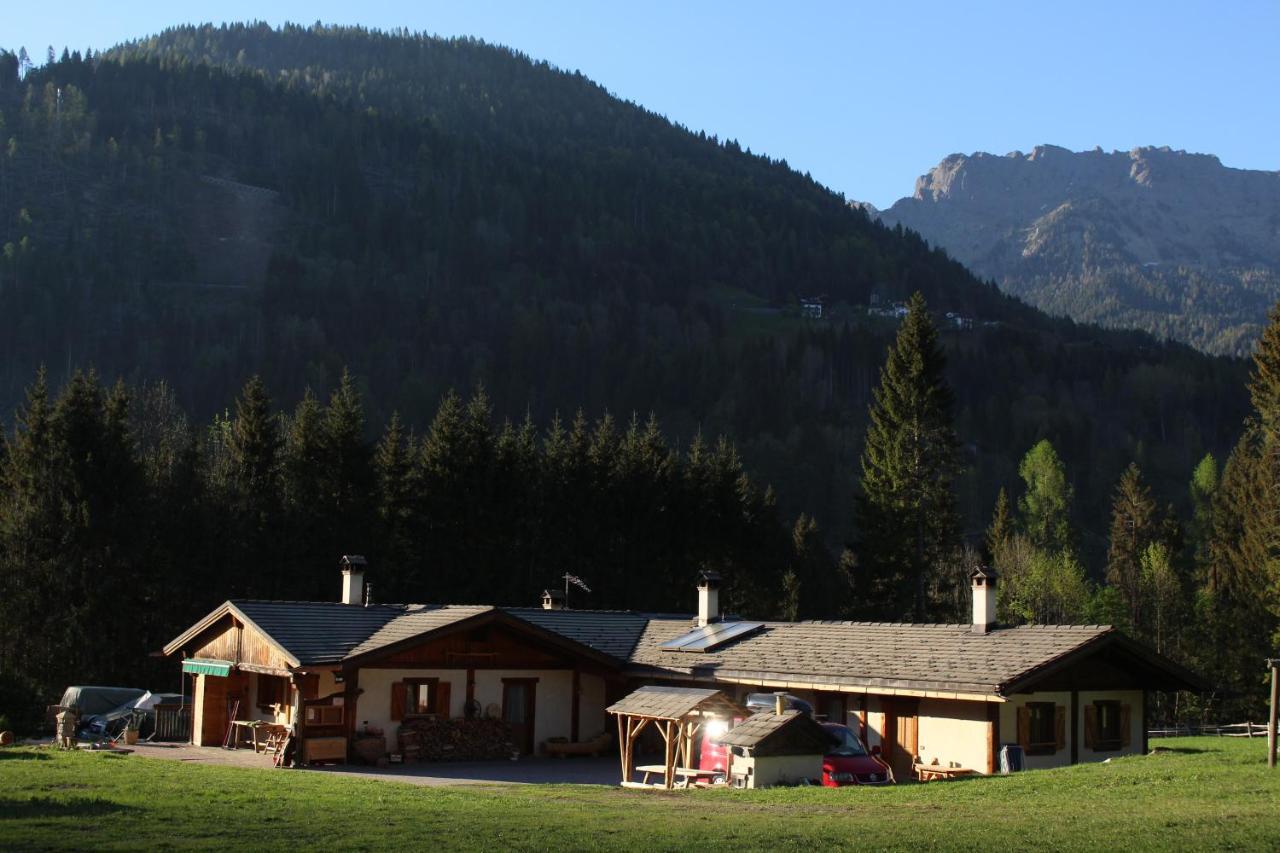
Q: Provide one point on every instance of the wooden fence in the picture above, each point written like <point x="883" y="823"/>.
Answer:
<point x="1218" y="729"/>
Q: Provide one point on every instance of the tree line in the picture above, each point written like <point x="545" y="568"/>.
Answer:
<point x="1202" y="587"/>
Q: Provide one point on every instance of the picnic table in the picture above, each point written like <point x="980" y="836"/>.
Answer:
<point x="930" y="772"/>
<point x="684" y="775"/>
<point x="274" y="734"/>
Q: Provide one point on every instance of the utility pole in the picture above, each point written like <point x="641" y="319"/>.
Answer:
<point x="1274" y="665"/>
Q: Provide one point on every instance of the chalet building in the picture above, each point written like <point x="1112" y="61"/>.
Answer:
<point x="946" y="693"/>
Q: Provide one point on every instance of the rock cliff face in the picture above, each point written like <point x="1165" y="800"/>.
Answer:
<point x="1162" y="240"/>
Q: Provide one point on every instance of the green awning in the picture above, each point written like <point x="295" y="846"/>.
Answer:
<point x="204" y="666"/>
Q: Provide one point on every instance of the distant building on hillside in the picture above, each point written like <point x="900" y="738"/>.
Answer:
<point x="811" y="307"/>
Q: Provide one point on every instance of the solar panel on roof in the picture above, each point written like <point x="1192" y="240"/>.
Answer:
<point x="708" y="638"/>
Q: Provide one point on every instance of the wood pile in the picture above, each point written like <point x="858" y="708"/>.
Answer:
<point x="436" y="739"/>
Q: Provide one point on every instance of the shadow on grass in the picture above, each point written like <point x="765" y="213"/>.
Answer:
<point x="47" y="807"/>
<point x="1180" y="750"/>
<point x="7" y="754"/>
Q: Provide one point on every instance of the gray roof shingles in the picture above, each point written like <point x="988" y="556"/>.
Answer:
<point x="945" y="658"/>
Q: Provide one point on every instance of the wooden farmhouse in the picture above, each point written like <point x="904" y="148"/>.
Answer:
<point x="945" y="694"/>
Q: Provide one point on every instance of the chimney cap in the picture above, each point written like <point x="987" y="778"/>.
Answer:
<point x="709" y="578"/>
<point x="985" y="573"/>
<point x="353" y="563"/>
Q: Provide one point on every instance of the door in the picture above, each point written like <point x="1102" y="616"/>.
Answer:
<point x="518" y="710"/>
<point x="900" y="736"/>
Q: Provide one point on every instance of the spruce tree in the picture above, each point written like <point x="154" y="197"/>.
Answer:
<point x="1001" y="528"/>
<point x="1134" y="527"/>
<point x="254" y="446"/>
<point x="907" y="508"/>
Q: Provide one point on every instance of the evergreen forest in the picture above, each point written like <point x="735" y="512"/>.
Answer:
<point x="245" y="268"/>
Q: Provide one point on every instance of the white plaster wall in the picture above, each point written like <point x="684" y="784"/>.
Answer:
<point x="779" y="769"/>
<point x="1132" y="698"/>
<point x="1009" y="728"/>
<point x="592" y="719"/>
<point x="953" y="732"/>
<point x="875" y="723"/>
<point x="552" y="699"/>
<point x="374" y="704"/>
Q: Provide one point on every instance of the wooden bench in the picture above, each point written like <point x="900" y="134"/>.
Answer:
<point x="563" y="749"/>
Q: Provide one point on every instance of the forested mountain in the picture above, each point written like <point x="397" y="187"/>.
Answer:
<point x="1172" y="243"/>
<point x="216" y="202"/>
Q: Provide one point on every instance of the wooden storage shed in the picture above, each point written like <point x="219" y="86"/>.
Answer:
<point x="776" y="748"/>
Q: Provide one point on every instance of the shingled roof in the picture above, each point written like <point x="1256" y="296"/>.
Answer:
<point x="758" y="728"/>
<point x="674" y="703"/>
<point x="942" y="658"/>
<point x="919" y="659"/>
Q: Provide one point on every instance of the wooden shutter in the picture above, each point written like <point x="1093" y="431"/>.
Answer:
<point x="1125" y="737"/>
<point x="1059" y="728"/>
<point x="442" y="699"/>
<point x="399" y="692"/>
<point x="1090" y="726"/>
<point x="1024" y="727"/>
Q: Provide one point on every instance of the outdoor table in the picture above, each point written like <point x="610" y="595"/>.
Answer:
<point x="684" y="774"/>
<point x="239" y="726"/>
<point x="930" y="772"/>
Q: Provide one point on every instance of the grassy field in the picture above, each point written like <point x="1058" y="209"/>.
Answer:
<point x="1199" y="793"/>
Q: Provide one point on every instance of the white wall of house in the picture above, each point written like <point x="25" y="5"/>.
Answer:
<point x="1132" y="698"/>
<point x="1009" y="727"/>
<point x="373" y="707"/>
<point x="553" y="695"/>
<point x="1075" y="728"/>
<point x="953" y="732"/>
<point x="553" y="698"/>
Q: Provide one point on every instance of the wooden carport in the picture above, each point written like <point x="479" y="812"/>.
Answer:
<point x="678" y="713"/>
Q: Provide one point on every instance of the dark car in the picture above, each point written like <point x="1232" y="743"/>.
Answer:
<point x="849" y="762"/>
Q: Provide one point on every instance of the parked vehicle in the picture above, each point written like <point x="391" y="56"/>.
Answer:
<point x="849" y="762"/>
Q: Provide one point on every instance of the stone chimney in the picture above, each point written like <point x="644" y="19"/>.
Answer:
<point x="708" y="597"/>
<point x="353" y="566"/>
<point x="552" y="599"/>
<point x="983" y="579"/>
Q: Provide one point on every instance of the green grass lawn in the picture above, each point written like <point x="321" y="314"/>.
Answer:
<point x="1201" y="793"/>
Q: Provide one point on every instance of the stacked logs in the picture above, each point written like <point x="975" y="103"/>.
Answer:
<point x="435" y="739"/>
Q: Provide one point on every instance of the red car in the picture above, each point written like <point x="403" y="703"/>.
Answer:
<point x="847" y="763"/>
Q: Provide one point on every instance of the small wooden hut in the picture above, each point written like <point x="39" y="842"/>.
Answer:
<point x="776" y="748"/>
<point x="678" y="714"/>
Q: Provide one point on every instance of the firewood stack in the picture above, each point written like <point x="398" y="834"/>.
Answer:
<point x="435" y="739"/>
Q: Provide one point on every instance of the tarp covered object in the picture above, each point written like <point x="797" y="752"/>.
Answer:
<point x="99" y="700"/>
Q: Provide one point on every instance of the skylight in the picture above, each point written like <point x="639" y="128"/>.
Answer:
<point x="714" y="635"/>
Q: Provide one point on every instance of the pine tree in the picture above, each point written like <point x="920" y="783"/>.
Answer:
<point x="254" y="446"/>
<point x="907" y="510"/>
<point x="1133" y="528"/>
<point x="394" y="501"/>
<point x="347" y="476"/>
<point x="1001" y="528"/>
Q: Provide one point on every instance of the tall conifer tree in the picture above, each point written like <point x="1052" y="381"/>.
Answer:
<point x="907" y="510"/>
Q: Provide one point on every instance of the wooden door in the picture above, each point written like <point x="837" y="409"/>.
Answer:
<point x="213" y="710"/>
<point x="518" y="710"/>
<point x="901" y="736"/>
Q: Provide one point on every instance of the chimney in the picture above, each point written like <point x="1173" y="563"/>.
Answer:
<point x="552" y="599"/>
<point x="780" y="703"/>
<point x="984" y="599"/>
<point x="353" y="579"/>
<point x="708" y="597"/>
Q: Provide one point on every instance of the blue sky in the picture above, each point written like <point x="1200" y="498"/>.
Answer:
<point x="865" y="96"/>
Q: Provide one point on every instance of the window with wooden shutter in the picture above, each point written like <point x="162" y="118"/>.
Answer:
<point x="1090" y="726"/>
<point x="1111" y="725"/>
<point x="398" y="690"/>
<point x="1024" y="728"/>
<point x="1126" y="729"/>
<point x="1042" y="734"/>
<point x="1060" y="728"/>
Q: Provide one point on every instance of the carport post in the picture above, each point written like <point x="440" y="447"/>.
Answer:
<point x="1274" y="663"/>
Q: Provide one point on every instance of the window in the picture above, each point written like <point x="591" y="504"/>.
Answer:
<point x="1109" y="731"/>
<point x="272" y="690"/>
<point x="1042" y="737"/>
<point x="420" y="696"/>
